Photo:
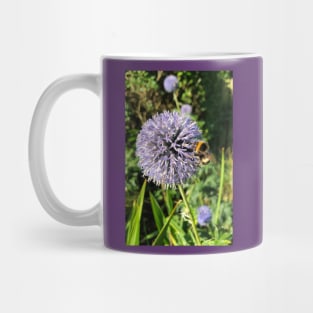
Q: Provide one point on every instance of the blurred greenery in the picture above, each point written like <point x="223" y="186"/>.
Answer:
<point x="164" y="218"/>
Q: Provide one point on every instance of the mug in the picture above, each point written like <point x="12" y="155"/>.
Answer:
<point x="181" y="153"/>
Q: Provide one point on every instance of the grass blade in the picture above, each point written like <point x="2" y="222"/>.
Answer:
<point x="133" y="225"/>
<point x="162" y="233"/>
<point x="178" y="233"/>
<point x="157" y="212"/>
<point x="217" y="215"/>
<point x="168" y="200"/>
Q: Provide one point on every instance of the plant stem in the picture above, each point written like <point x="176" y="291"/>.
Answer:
<point x="176" y="100"/>
<point x="193" y="224"/>
<point x="220" y="191"/>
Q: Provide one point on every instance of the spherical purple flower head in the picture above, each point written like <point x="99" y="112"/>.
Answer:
<point x="204" y="215"/>
<point x="165" y="147"/>
<point x="186" y="109"/>
<point x="170" y="83"/>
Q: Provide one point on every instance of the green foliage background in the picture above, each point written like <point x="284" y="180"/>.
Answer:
<point x="154" y="215"/>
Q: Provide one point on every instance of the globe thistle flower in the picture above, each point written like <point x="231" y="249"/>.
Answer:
<point x="204" y="215"/>
<point x="186" y="109"/>
<point x="165" y="147"/>
<point x="170" y="83"/>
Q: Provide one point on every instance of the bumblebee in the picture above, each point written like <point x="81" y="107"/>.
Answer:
<point x="202" y="152"/>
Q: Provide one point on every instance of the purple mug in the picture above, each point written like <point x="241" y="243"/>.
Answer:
<point x="181" y="153"/>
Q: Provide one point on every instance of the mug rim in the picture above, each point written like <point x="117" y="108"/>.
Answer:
<point x="180" y="57"/>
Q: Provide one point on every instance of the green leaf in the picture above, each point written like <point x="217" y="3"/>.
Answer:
<point x="225" y="236"/>
<point x="192" y="237"/>
<point x="212" y="242"/>
<point x="157" y="212"/>
<point x="133" y="225"/>
<point x="162" y="233"/>
<point x="178" y="232"/>
<point x="168" y="200"/>
<point x="150" y="236"/>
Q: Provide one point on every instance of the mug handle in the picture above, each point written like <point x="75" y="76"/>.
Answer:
<point x="38" y="171"/>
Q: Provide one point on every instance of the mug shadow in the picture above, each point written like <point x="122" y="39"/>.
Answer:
<point x="68" y="238"/>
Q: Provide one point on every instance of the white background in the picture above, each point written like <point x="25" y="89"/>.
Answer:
<point x="49" y="267"/>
